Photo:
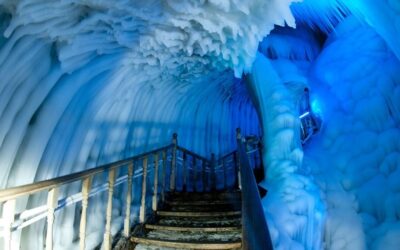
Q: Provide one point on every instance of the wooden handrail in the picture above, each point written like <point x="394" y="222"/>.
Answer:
<point x="184" y="150"/>
<point x="12" y="221"/>
<point x="255" y="233"/>
<point x="15" y="192"/>
<point x="10" y="195"/>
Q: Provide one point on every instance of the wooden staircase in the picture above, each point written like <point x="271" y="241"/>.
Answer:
<point x="191" y="215"/>
<point x="193" y="221"/>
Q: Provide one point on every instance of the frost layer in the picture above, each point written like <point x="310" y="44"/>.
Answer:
<point x="89" y="82"/>
<point x="356" y="159"/>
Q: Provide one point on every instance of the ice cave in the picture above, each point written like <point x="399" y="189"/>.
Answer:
<point x="87" y="84"/>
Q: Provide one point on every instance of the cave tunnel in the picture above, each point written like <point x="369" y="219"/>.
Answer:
<point x="89" y="82"/>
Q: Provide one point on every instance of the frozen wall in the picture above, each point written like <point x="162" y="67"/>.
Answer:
<point x="293" y="206"/>
<point x="340" y="190"/>
<point x="87" y="82"/>
<point x="356" y="159"/>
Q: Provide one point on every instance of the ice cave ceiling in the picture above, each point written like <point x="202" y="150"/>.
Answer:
<point x="85" y="82"/>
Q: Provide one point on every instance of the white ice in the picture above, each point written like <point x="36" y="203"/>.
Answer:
<point x="86" y="82"/>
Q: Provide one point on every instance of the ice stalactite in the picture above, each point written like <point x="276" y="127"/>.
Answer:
<point x="382" y="16"/>
<point x="89" y="82"/>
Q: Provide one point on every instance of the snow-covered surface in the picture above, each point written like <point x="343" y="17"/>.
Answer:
<point x="85" y="82"/>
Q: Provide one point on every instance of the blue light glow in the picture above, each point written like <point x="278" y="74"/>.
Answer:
<point x="316" y="106"/>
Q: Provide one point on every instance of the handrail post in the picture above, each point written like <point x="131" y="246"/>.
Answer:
<point x="86" y="184"/>
<point x="213" y="174"/>
<point x="184" y="162"/>
<point x="51" y="206"/>
<point x="127" y="222"/>
<point x="164" y="167"/>
<point x="194" y="173"/>
<point x="142" y="213"/>
<point x="203" y="175"/>
<point x="8" y="220"/>
<point x="155" y="189"/>
<point x="224" y="169"/>
<point x="173" y="165"/>
<point x="107" y="233"/>
<point x="239" y="141"/>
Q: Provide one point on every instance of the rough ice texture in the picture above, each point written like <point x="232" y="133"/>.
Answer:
<point x="87" y="82"/>
<point x="382" y="16"/>
<point x="293" y="206"/>
<point x="356" y="157"/>
<point x="349" y="179"/>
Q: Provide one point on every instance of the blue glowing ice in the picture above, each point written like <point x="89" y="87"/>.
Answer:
<point x="87" y="82"/>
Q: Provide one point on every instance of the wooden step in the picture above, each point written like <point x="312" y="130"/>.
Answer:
<point x="203" y="202"/>
<point x="198" y="214"/>
<point x="187" y="244"/>
<point x="199" y="221"/>
<point x="204" y="196"/>
<point x="203" y="208"/>
<point x="191" y="229"/>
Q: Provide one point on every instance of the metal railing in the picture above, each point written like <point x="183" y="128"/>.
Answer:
<point x="255" y="233"/>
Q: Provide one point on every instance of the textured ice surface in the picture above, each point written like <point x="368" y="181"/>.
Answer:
<point x="89" y="82"/>
<point x="86" y="82"/>
<point x="293" y="205"/>
<point x="344" y="193"/>
<point x="356" y="157"/>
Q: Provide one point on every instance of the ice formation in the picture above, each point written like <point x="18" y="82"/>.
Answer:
<point x="85" y="82"/>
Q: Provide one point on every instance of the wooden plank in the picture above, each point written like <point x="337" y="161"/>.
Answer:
<point x="127" y="221"/>
<point x="173" y="164"/>
<point x="238" y="167"/>
<point x="224" y="169"/>
<point x="8" y="218"/>
<point x="203" y="175"/>
<point x="12" y="193"/>
<point x="194" y="182"/>
<point x="107" y="233"/>
<point x="198" y="214"/>
<point x="86" y="184"/>
<point x="188" y="244"/>
<point x="52" y="198"/>
<point x="142" y="213"/>
<point x="213" y="183"/>
<point x="203" y="202"/>
<point x="191" y="229"/>
<point x="164" y="169"/>
<point x="255" y="232"/>
<point x="192" y="153"/>
<point x="184" y="163"/>
<point x="155" y="189"/>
